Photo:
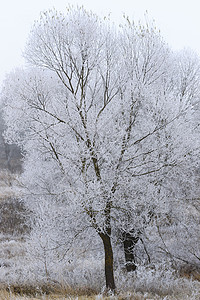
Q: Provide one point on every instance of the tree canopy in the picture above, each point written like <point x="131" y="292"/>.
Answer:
<point x="107" y="119"/>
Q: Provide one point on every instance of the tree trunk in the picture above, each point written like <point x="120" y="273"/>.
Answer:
<point x="129" y="242"/>
<point x="110" y="282"/>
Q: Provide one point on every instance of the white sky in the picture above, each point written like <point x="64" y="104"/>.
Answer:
<point x="178" y="20"/>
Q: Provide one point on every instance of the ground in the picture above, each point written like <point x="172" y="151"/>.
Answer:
<point x="13" y="261"/>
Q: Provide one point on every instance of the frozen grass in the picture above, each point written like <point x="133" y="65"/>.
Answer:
<point x="160" y="283"/>
<point x="21" y="276"/>
<point x="144" y="284"/>
<point x="84" y="279"/>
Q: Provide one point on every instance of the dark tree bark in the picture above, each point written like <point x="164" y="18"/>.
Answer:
<point x="109" y="274"/>
<point x="129" y="242"/>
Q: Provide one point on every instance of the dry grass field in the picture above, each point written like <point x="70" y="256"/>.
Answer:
<point x="5" y="295"/>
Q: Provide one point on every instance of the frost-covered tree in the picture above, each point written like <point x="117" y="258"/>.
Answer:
<point x="106" y="120"/>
